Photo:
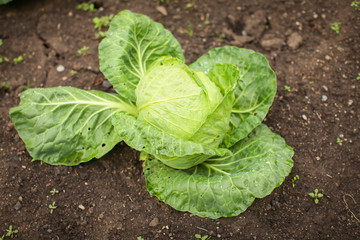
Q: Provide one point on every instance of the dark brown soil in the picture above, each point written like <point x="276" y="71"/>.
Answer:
<point x="107" y="198"/>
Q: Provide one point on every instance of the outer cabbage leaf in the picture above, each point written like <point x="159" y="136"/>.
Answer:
<point x="67" y="126"/>
<point x="176" y="152"/>
<point x="132" y="43"/>
<point x="225" y="186"/>
<point x="255" y="91"/>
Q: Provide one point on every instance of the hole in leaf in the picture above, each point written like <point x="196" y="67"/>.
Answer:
<point x="89" y="129"/>
<point x="255" y="114"/>
<point x="103" y="145"/>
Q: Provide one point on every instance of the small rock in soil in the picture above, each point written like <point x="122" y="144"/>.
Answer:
<point x="238" y="40"/>
<point x="162" y="10"/>
<point x="154" y="222"/>
<point x="17" y="205"/>
<point x="294" y="41"/>
<point x="81" y="207"/>
<point x="60" y="68"/>
<point x="304" y="117"/>
<point x="269" y="42"/>
<point x="324" y="98"/>
<point x="106" y="84"/>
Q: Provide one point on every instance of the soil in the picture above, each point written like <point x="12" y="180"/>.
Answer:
<point x="316" y="110"/>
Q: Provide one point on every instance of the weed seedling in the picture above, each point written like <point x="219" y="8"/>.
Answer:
<point x="73" y="72"/>
<point x="336" y="27"/>
<point x="294" y="180"/>
<point x="2" y="237"/>
<point x="86" y="7"/>
<point x="82" y="51"/>
<point x="54" y="191"/>
<point x="205" y="237"/>
<point x="316" y="195"/>
<point x="4" y="59"/>
<point x="10" y="232"/>
<point x="1" y="42"/>
<point x="358" y="77"/>
<point x="190" y="31"/>
<point x="356" y="5"/>
<point x="287" y="88"/>
<point x="189" y="5"/>
<point x="19" y="59"/>
<point x="52" y="207"/>
<point x="339" y="141"/>
<point x="103" y="21"/>
<point x="140" y="238"/>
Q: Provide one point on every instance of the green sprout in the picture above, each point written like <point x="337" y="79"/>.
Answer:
<point x="100" y="34"/>
<point x="190" y="31"/>
<point x="19" y="59"/>
<point x="103" y="21"/>
<point x="82" y="51"/>
<point x="356" y="5"/>
<point x="2" y="237"/>
<point x="336" y="27"/>
<point x="287" y="88"/>
<point x="52" y="207"/>
<point x="358" y="77"/>
<point x="316" y="195"/>
<point x="1" y="42"/>
<point x="73" y="72"/>
<point x="4" y="59"/>
<point x="294" y="180"/>
<point x="54" y="191"/>
<point x="207" y="21"/>
<point x="140" y="238"/>
<point x="205" y="237"/>
<point x="86" y="7"/>
<point x="10" y="232"/>
<point x="339" y="141"/>
<point x="220" y="37"/>
<point x="189" y="5"/>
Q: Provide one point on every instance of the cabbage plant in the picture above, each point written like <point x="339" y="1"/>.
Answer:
<point x="198" y="127"/>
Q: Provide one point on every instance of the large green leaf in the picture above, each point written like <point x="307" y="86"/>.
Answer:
<point x="224" y="186"/>
<point x="2" y="2"/>
<point x="173" y="151"/>
<point x="132" y="43"/>
<point x="255" y="91"/>
<point x="67" y="126"/>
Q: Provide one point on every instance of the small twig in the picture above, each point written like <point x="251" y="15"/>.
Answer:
<point x="202" y="229"/>
<point x="347" y="206"/>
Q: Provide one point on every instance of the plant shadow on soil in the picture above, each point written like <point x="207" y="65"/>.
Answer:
<point x="317" y="102"/>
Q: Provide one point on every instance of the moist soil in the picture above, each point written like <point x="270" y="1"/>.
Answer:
<point x="316" y="110"/>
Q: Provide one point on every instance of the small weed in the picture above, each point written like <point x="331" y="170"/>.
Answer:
<point x="358" y="77"/>
<point x="2" y="237"/>
<point x="73" y="72"/>
<point x="339" y="141"/>
<point x="86" y="7"/>
<point x="163" y="1"/>
<point x="82" y="51"/>
<point x="220" y="37"/>
<point x="4" y="59"/>
<point x="52" y="207"/>
<point x="1" y="42"/>
<point x="336" y="27"/>
<point x="140" y="238"/>
<point x="189" y="5"/>
<point x="103" y="21"/>
<point x="301" y="53"/>
<point x="356" y="5"/>
<point x="10" y="232"/>
<point x="28" y="85"/>
<point x="207" y="21"/>
<point x="100" y="34"/>
<point x="190" y="30"/>
<point x="294" y="180"/>
<point x="54" y="191"/>
<point x="316" y="195"/>
<point x="205" y="237"/>
<point x="287" y="88"/>
<point x="19" y="59"/>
